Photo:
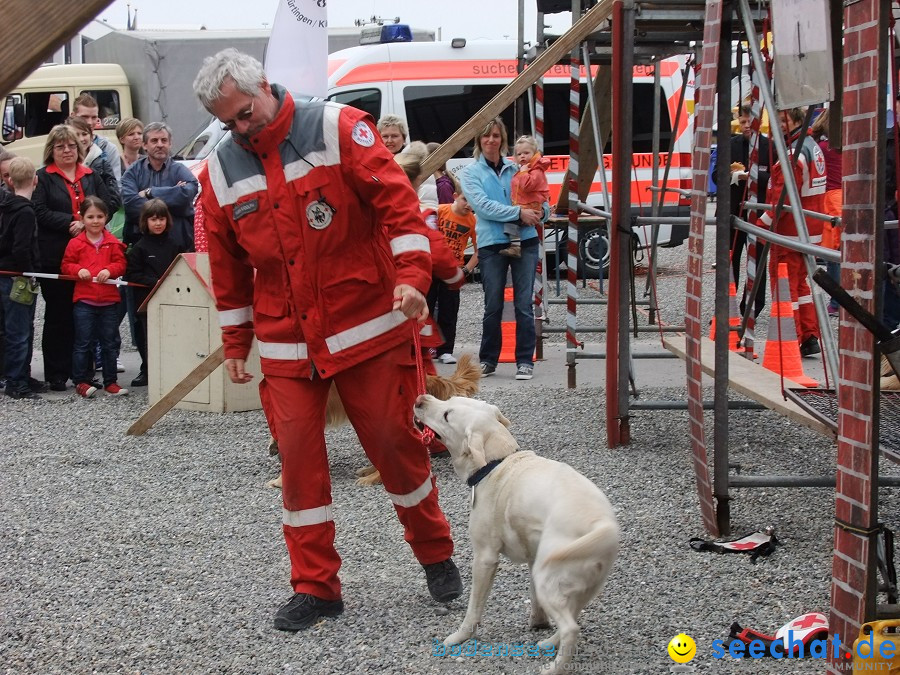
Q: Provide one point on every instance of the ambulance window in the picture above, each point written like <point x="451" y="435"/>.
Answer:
<point x="108" y="104"/>
<point x="642" y="120"/>
<point x="44" y="110"/>
<point x="434" y="113"/>
<point x="368" y="100"/>
<point x="9" y="131"/>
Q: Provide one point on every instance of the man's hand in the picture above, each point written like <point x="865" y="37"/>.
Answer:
<point x="411" y="302"/>
<point x="235" y="370"/>
<point x="102" y="275"/>
<point x="530" y="217"/>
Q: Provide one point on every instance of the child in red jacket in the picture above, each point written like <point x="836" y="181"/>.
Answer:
<point x="529" y="189"/>
<point x="95" y="253"/>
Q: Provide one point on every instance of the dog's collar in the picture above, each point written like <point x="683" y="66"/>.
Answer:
<point x="482" y="473"/>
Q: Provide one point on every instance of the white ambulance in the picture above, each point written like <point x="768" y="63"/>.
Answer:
<point x="438" y="86"/>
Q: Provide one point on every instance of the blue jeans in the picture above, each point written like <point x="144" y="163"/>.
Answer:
<point x="94" y="323"/>
<point x="19" y="327"/>
<point x="494" y="268"/>
<point x="834" y="271"/>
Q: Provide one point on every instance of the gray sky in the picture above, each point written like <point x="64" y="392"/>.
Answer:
<point x="470" y="19"/>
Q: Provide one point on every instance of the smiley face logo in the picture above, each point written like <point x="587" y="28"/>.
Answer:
<point x="682" y="648"/>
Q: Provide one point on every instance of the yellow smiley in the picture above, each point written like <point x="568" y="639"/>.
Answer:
<point x="682" y="648"/>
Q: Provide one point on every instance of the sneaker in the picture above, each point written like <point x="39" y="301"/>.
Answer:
<point x="140" y="380"/>
<point x="810" y="346"/>
<point x="512" y="251"/>
<point x="58" y="385"/>
<point x="449" y="359"/>
<point x="443" y="580"/>
<point x="113" y="389"/>
<point x="524" y="372"/>
<point x="833" y="311"/>
<point x="487" y="369"/>
<point x="119" y="367"/>
<point x="303" y="610"/>
<point x="85" y="390"/>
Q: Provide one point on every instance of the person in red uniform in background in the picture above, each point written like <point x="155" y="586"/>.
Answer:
<point x="317" y="248"/>
<point x="809" y="174"/>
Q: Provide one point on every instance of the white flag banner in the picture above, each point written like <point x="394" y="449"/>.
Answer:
<point x="297" y="55"/>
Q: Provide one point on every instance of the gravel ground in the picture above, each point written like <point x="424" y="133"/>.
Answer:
<point x="164" y="554"/>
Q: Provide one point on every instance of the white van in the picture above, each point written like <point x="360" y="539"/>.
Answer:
<point x="437" y="87"/>
<point x="45" y="98"/>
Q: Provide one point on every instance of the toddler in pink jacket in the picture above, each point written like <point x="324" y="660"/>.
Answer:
<point x="529" y="189"/>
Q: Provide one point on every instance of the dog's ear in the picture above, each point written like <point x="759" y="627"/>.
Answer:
<point x="500" y="416"/>
<point x="475" y="443"/>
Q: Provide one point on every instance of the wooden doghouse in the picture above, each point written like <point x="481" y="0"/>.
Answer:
<point x="182" y="330"/>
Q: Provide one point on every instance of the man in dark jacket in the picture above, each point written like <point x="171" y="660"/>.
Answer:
<point x="740" y="155"/>
<point x="18" y="253"/>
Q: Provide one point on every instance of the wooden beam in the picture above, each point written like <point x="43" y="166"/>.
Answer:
<point x="753" y="381"/>
<point x="34" y="29"/>
<point x="506" y="96"/>
<point x="179" y="391"/>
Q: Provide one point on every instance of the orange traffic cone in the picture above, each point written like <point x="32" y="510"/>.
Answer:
<point x="782" y="353"/>
<point x="508" y="325"/>
<point x="734" y="320"/>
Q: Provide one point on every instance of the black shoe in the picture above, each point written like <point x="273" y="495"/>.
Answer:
<point x="810" y="346"/>
<point x="24" y="392"/>
<point x="140" y="380"/>
<point x="443" y="580"/>
<point x="303" y="610"/>
<point x="58" y="385"/>
<point x="37" y="386"/>
<point x="487" y="369"/>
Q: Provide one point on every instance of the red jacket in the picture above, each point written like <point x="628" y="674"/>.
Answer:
<point x="809" y="174"/>
<point x="81" y="254"/>
<point x="529" y="184"/>
<point x="319" y="208"/>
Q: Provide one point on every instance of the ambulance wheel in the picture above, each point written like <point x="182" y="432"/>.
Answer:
<point x="593" y="254"/>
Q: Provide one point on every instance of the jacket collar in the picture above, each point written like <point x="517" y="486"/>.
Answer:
<point x="80" y="171"/>
<point x="270" y="136"/>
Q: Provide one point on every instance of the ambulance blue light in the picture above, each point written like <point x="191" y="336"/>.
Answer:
<point x="396" y="32"/>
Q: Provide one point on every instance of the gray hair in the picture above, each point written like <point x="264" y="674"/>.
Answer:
<point x="157" y="126"/>
<point x="393" y="121"/>
<point x="245" y="71"/>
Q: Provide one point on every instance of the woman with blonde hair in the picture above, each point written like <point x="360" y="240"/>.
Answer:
<point x="487" y="185"/>
<point x="63" y="183"/>
<point x="130" y="132"/>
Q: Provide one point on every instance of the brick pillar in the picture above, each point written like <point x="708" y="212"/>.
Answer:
<point x="856" y="507"/>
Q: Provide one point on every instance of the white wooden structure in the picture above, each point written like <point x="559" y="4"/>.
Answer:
<point x="182" y="330"/>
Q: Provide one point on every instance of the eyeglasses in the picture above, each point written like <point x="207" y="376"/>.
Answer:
<point x="65" y="146"/>
<point x="242" y="116"/>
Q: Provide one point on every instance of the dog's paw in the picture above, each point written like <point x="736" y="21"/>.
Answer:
<point x="462" y="635"/>
<point x="370" y="480"/>
<point x="364" y="471"/>
<point x="274" y="483"/>
<point x="551" y="642"/>
<point x="538" y="619"/>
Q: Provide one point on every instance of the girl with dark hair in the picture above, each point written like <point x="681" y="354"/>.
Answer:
<point x="148" y="260"/>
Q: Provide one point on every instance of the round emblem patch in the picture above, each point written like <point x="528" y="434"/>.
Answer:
<point x="363" y="135"/>
<point x="319" y="214"/>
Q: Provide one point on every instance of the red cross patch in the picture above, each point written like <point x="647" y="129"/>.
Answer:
<point x="362" y="135"/>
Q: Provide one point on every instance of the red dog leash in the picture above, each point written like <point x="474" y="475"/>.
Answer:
<point x="427" y="433"/>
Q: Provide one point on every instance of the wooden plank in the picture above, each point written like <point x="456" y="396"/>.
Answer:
<point x="179" y="391"/>
<point x="586" y="25"/>
<point x="753" y="381"/>
<point x="34" y="29"/>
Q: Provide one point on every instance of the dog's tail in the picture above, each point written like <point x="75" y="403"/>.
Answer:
<point x="600" y="543"/>
<point x="463" y="382"/>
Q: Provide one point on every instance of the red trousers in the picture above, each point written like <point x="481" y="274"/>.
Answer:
<point x="801" y="295"/>
<point x="378" y="396"/>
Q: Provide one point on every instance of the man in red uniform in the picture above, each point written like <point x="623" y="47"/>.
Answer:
<point x="317" y="248"/>
<point x="809" y="175"/>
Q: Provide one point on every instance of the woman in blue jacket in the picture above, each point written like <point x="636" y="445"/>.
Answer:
<point x="486" y="184"/>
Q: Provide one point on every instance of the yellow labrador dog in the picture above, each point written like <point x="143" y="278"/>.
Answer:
<point x="532" y="510"/>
